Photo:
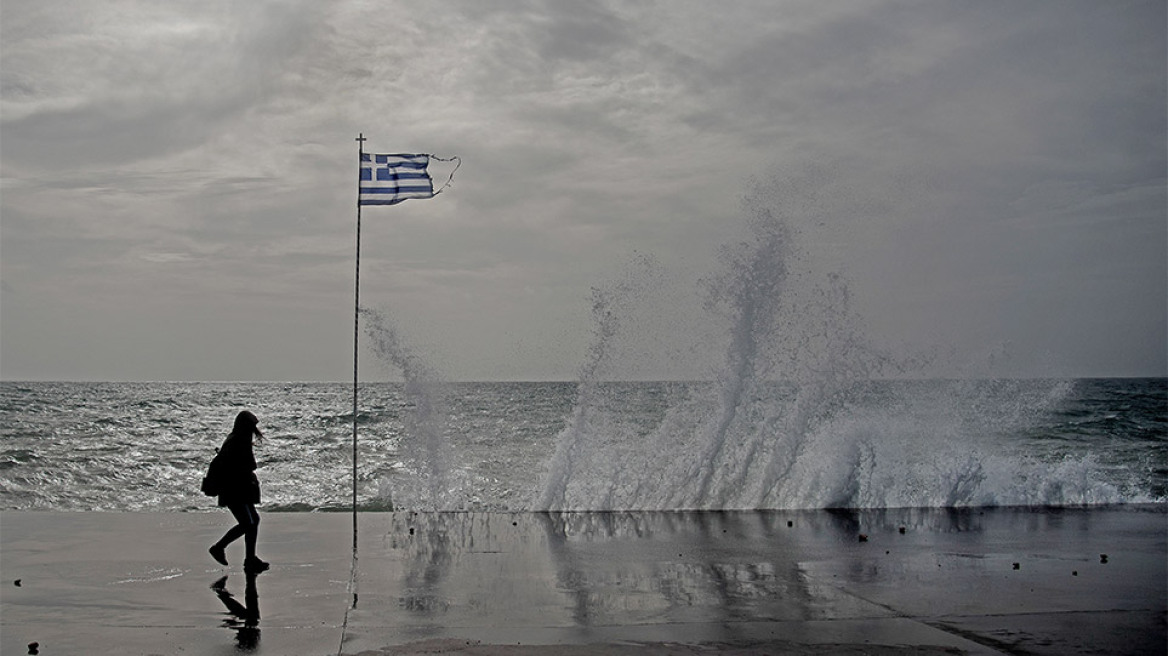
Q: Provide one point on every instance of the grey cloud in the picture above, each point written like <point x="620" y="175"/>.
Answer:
<point x="165" y="91"/>
<point x="981" y="172"/>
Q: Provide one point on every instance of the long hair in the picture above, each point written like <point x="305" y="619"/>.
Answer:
<point x="246" y="425"/>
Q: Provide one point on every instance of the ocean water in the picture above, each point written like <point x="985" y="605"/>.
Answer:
<point x="593" y="446"/>
<point x="799" y="409"/>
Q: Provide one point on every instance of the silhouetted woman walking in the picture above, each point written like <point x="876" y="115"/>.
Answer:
<point x="239" y="490"/>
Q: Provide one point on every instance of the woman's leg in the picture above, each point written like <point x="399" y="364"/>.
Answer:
<point x="232" y="534"/>
<point x="247" y="525"/>
<point x="247" y="521"/>
<point x="251" y="530"/>
<point x="240" y="529"/>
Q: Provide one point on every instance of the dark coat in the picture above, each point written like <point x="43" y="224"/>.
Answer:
<point x="238" y="480"/>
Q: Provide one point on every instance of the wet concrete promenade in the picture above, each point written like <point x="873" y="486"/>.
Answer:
<point x="929" y="581"/>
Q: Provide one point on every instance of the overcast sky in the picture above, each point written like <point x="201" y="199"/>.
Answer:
<point x="179" y="178"/>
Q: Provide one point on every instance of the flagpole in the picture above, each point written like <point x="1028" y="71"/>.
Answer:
<point x="356" y="330"/>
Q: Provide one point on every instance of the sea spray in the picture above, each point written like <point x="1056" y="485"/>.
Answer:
<point x="427" y="483"/>
<point x="794" y="349"/>
<point x="937" y="444"/>
<point x="725" y="444"/>
<point x="610" y="305"/>
<point x="803" y="413"/>
<point x="750" y="290"/>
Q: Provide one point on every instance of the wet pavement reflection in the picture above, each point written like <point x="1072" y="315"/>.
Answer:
<point x="726" y="576"/>
<point x="599" y="569"/>
<point x="243" y="618"/>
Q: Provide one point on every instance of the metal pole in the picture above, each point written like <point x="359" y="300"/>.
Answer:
<point x="357" y="329"/>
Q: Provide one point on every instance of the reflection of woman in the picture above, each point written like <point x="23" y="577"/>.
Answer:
<point x="246" y="618"/>
<point x="240" y="491"/>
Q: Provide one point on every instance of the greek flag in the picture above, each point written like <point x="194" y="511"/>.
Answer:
<point x="390" y="179"/>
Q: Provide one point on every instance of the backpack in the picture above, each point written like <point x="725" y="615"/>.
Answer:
<point x="213" y="481"/>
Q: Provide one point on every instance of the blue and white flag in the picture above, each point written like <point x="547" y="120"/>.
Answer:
<point x="390" y="179"/>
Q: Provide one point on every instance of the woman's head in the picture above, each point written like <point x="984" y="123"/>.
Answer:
<point x="247" y="425"/>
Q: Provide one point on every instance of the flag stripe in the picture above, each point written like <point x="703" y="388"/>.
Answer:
<point x="389" y="201"/>
<point x="397" y="189"/>
<point x="390" y="174"/>
<point x="396" y="161"/>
